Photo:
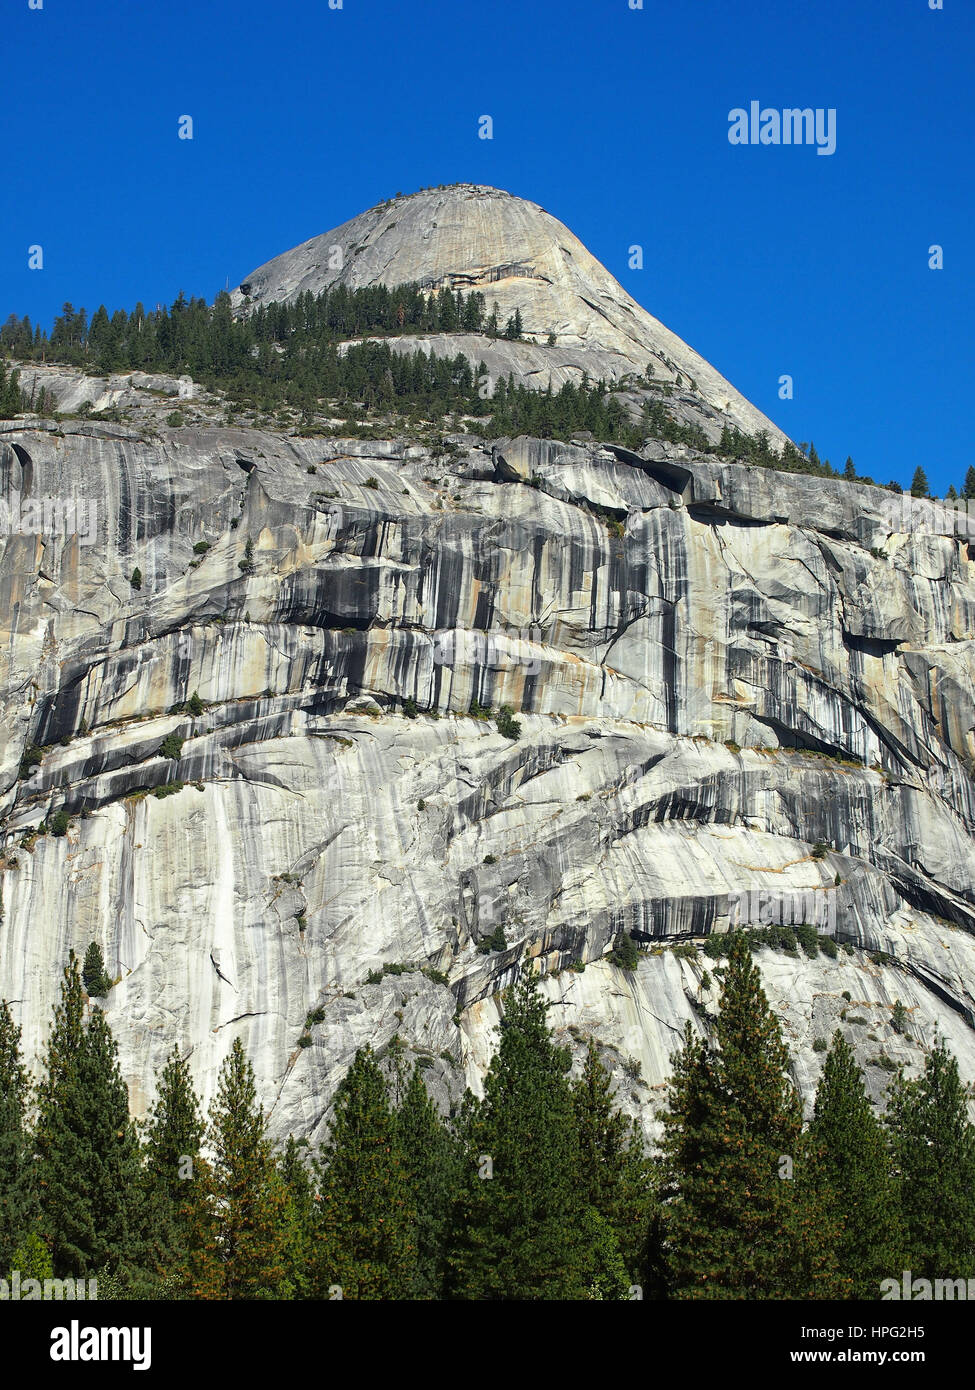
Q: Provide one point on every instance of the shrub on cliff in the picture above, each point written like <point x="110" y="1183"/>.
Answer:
<point x="32" y="757"/>
<point x="625" y="953"/>
<point x="171" y="747"/>
<point x="507" y="723"/>
<point x="495" y="942"/>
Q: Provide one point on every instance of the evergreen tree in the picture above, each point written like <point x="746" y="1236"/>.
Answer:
<point x="521" y="1227"/>
<point x="951" y="495"/>
<point x="66" y="1213"/>
<point x="849" y="472"/>
<point x="366" y="1221"/>
<point x="87" y="1156"/>
<point x="933" y="1150"/>
<point x="738" y="1222"/>
<point x="93" y="974"/>
<point x="250" y="1197"/>
<point x="919" y="483"/>
<point x="612" y="1171"/>
<point x="11" y="399"/>
<point x="969" y="488"/>
<point x="848" y="1154"/>
<point x="196" y="1266"/>
<point x="114" y="1155"/>
<point x="432" y="316"/>
<point x="447" y="309"/>
<point x="16" y="1198"/>
<point x="174" y="1133"/>
<point x="299" y="1220"/>
<point x="473" y="318"/>
<point x="431" y="1160"/>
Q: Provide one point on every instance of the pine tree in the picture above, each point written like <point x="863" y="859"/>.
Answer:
<point x="951" y="495"/>
<point x="919" y="483"/>
<point x="447" y="309"/>
<point x="16" y="1198"/>
<point x="299" y="1220"/>
<point x="521" y="1227"/>
<point x="93" y="974"/>
<point x="250" y="1197"/>
<point x="849" y="471"/>
<point x="969" y="488"/>
<point x="738" y="1223"/>
<point x="11" y="399"/>
<point x="473" y="319"/>
<point x="513" y="327"/>
<point x="612" y="1171"/>
<point x="174" y="1133"/>
<point x="933" y="1151"/>
<point x="114" y="1155"/>
<point x="196" y="1265"/>
<point x="87" y="1156"/>
<point x="431" y="1160"/>
<point x="66" y="1216"/>
<point x="848" y="1154"/>
<point x="366" y="1220"/>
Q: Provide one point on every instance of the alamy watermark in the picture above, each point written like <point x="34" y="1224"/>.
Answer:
<point x="49" y="516"/>
<point x="909" y="1289"/>
<point x="77" y="1343"/>
<point x="515" y="650"/>
<point x="814" y="907"/>
<point x="941" y="517"/>
<point x="901" y="514"/>
<point x="16" y="1289"/>
<point x="806" y="125"/>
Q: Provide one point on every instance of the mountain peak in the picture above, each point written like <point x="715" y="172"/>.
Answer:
<point x="470" y="236"/>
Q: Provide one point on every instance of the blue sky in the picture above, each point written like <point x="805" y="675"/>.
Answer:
<point x="767" y="260"/>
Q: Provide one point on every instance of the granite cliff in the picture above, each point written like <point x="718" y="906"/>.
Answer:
<point x="734" y="685"/>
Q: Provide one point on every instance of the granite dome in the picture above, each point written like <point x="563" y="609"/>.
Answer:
<point x="468" y="236"/>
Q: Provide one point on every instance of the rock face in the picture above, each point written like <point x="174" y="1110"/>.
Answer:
<point x="744" y="695"/>
<point x="513" y="252"/>
<point x="322" y="833"/>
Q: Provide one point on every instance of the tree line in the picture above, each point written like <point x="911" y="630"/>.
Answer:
<point x="210" y="341"/>
<point x="279" y="354"/>
<point x="538" y="1189"/>
<point x="921" y="488"/>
